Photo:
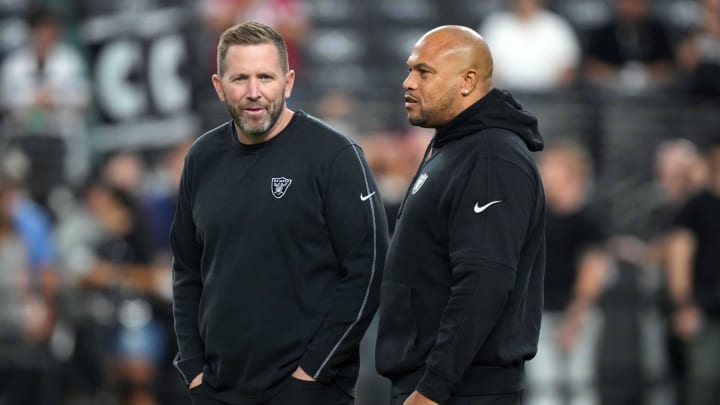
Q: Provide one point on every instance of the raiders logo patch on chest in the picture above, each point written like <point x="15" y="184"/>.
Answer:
<point x="279" y="186"/>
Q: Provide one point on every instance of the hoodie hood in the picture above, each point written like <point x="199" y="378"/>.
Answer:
<point x="498" y="109"/>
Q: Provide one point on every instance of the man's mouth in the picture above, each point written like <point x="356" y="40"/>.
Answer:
<point x="410" y="101"/>
<point x="254" y="110"/>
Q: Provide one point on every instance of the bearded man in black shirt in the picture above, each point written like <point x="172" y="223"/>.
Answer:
<point x="278" y="241"/>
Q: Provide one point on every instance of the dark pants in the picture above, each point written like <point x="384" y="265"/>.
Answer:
<point x="503" y="399"/>
<point x="292" y="392"/>
<point x="703" y="373"/>
<point x="28" y="374"/>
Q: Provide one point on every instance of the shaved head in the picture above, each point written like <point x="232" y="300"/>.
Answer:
<point x="450" y="69"/>
<point x="460" y="45"/>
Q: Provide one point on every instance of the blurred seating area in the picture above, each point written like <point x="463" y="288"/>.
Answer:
<point x="100" y="100"/>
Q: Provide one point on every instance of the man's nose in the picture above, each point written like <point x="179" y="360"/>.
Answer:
<point x="408" y="83"/>
<point x="253" y="89"/>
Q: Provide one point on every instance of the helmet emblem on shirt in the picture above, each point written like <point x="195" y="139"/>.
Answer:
<point x="419" y="183"/>
<point x="279" y="186"/>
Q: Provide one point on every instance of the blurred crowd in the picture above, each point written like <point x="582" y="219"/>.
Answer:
<point x="85" y="267"/>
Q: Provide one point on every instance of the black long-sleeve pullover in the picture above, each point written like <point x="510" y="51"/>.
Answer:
<point x="278" y="255"/>
<point x="462" y="293"/>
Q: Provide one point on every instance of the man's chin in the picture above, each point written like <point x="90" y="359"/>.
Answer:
<point x="418" y="122"/>
<point x="254" y="130"/>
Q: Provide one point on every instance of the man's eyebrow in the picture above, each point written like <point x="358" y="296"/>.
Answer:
<point x="421" y="65"/>
<point x="258" y="74"/>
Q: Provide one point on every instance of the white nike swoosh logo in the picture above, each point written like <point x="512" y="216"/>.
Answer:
<point x="479" y="209"/>
<point x="365" y="197"/>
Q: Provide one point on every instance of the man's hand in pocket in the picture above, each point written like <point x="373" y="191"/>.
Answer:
<point x="196" y="381"/>
<point x="300" y="374"/>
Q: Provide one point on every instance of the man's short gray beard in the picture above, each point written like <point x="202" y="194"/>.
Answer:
<point x="254" y="131"/>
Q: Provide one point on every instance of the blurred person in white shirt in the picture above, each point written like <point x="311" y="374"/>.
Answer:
<point x="288" y="17"/>
<point x="45" y="89"/>
<point x="533" y="48"/>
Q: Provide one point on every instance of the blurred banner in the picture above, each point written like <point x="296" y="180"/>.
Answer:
<point x="139" y="65"/>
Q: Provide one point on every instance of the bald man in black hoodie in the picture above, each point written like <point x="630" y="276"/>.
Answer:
<point x="462" y="298"/>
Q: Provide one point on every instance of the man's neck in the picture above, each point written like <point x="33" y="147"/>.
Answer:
<point x="526" y="14"/>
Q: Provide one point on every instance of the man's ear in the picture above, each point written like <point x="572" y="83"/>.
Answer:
<point x="289" y="82"/>
<point x="217" y="84"/>
<point x="470" y="79"/>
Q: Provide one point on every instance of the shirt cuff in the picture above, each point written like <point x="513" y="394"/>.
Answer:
<point x="189" y="368"/>
<point x="312" y="364"/>
<point x="434" y="386"/>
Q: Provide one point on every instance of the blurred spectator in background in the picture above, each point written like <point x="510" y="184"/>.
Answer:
<point x="679" y="173"/>
<point x="632" y="52"/>
<point x="44" y="88"/>
<point x="699" y="53"/>
<point x="22" y="319"/>
<point x="33" y="225"/>
<point x="678" y="176"/>
<point x="125" y="170"/>
<point x="288" y="17"/>
<point x="533" y="48"/>
<point x="85" y="314"/>
<point x="123" y="273"/>
<point x="694" y="283"/>
<point x="156" y="194"/>
<point x="161" y="199"/>
<point x="153" y="191"/>
<point x="337" y="108"/>
<point x="564" y="370"/>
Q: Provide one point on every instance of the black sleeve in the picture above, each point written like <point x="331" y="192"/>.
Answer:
<point x="601" y="45"/>
<point x="358" y="232"/>
<point x="687" y="217"/>
<point x="592" y="49"/>
<point x="488" y="221"/>
<point x="592" y="230"/>
<point x="187" y="284"/>
<point x="140" y="242"/>
<point x="661" y="47"/>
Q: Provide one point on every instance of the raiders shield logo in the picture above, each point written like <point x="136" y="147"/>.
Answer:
<point x="279" y="186"/>
<point x="419" y="183"/>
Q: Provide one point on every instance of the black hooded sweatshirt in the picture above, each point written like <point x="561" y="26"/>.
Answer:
<point x="461" y="297"/>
